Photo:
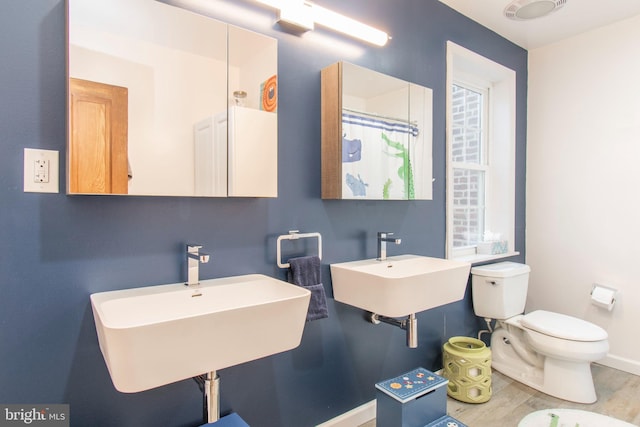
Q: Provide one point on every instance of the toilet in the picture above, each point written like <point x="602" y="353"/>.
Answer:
<point x="548" y="351"/>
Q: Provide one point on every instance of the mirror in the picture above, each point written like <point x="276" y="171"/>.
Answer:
<point x="376" y="136"/>
<point x="151" y="104"/>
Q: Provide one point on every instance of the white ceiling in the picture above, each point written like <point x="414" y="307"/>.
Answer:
<point x="577" y="16"/>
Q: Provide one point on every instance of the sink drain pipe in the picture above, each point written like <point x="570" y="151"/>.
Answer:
<point x="410" y="324"/>
<point x="212" y="396"/>
<point x="209" y="385"/>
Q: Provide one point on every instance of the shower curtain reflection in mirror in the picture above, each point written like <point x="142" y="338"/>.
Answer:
<point x="378" y="157"/>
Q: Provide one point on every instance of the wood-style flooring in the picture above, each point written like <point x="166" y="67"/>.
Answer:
<point x="618" y="397"/>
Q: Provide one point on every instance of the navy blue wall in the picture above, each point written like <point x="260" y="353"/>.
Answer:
<point x="56" y="250"/>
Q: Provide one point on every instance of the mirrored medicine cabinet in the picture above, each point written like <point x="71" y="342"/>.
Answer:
<point x="376" y="136"/>
<point x="167" y="102"/>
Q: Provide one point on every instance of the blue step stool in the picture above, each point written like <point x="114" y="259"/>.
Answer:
<point x="446" y="421"/>
<point x="412" y="399"/>
<point x="231" y="420"/>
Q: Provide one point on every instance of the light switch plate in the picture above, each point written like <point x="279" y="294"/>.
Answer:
<point x="41" y="171"/>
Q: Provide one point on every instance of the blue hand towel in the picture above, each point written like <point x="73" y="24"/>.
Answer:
<point x="305" y="272"/>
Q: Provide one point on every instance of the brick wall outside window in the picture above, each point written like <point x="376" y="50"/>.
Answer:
<point x="468" y="160"/>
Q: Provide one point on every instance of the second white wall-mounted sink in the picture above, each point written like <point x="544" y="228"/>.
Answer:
<point x="156" y="335"/>
<point x="400" y="285"/>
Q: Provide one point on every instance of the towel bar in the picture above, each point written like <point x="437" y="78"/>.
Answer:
<point x="295" y="235"/>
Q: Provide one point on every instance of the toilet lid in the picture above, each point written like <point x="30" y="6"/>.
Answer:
<point x="562" y="326"/>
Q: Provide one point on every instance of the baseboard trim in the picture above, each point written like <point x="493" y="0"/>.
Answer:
<point x="354" y="417"/>
<point x="621" y="363"/>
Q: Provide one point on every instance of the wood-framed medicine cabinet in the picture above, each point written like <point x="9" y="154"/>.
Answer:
<point x="376" y="135"/>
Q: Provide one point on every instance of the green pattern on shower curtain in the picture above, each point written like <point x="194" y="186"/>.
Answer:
<point x="405" y="171"/>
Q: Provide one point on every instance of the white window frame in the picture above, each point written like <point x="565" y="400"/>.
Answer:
<point x="472" y="69"/>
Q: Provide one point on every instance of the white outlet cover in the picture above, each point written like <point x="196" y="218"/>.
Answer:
<point x="31" y="155"/>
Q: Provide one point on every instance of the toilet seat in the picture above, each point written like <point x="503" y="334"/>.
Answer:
<point x="562" y="326"/>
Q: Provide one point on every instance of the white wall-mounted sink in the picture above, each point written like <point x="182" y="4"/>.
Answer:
<point x="156" y="335"/>
<point x="400" y="285"/>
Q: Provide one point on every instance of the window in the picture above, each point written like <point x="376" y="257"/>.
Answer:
<point x="480" y="152"/>
<point x="468" y="161"/>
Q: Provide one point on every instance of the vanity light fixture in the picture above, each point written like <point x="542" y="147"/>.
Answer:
<point x="524" y="10"/>
<point x="303" y="15"/>
<point x="297" y="15"/>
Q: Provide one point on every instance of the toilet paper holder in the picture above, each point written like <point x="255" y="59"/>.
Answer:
<point x="603" y="296"/>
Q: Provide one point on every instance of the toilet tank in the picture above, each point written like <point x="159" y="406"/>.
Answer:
<point x="499" y="290"/>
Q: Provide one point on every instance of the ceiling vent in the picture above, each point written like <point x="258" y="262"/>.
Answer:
<point x="523" y="10"/>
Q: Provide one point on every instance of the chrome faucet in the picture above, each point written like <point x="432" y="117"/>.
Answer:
<point x="194" y="258"/>
<point x="383" y="238"/>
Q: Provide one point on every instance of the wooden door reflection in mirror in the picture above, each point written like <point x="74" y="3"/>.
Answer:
<point x="98" y="138"/>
